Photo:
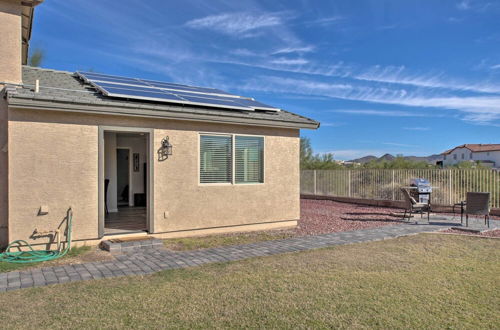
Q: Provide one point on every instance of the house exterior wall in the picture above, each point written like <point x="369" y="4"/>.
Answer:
<point x="110" y="170"/>
<point x="4" y="174"/>
<point x="54" y="162"/>
<point x="493" y="156"/>
<point x="457" y="153"/>
<point x="10" y="41"/>
<point x="464" y="154"/>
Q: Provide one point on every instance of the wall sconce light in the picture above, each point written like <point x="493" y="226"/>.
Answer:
<point x="165" y="150"/>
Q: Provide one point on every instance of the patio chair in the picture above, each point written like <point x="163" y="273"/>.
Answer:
<point x="477" y="203"/>
<point x="412" y="206"/>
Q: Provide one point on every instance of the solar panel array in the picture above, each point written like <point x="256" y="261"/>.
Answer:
<point x="143" y="89"/>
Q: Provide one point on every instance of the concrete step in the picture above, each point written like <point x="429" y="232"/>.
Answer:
<point x="124" y="245"/>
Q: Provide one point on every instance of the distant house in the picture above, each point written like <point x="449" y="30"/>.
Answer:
<point x="135" y="157"/>
<point x="486" y="154"/>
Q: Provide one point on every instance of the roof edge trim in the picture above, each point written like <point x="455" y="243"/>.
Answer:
<point x="19" y="103"/>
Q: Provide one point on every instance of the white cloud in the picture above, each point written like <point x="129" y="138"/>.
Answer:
<point x="236" y="24"/>
<point x="290" y="61"/>
<point x="243" y="52"/>
<point x="288" y="50"/>
<point x="477" y="109"/>
<point x="382" y="113"/>
<point x="390" y="75"/>
<point x="325" y="21"/>
<point x="494" y="67"/>
<point x="399" y="75"/>
<point x="328" y="124"/>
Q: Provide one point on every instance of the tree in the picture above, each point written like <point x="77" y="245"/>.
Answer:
<point x="36" y="57"/>
<point x="310" y="161"/>
<point x="469" y="164"/>
<point x="306" y="152"/>
<point x="399" y="162"/>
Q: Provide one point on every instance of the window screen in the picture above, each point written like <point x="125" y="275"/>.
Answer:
<point x="215" y="159"/>
<point x="249" y="159"/>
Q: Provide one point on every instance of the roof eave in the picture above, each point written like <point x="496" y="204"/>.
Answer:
<point x="23" y="103"/>
<point x="27" y="23"/>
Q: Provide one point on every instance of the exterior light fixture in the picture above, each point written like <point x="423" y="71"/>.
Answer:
<point x="165" y="150"/>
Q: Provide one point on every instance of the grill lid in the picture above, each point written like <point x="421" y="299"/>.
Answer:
<point x="419" y="182"/>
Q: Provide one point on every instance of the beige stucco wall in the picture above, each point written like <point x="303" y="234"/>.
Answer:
<point x="54" y="162"/>
<point x="3" y="172"/>
<point x="53" y="165"/>
<point x="10" y="41"/>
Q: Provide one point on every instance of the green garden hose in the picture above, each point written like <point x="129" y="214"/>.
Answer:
<point x="36" y="256"/>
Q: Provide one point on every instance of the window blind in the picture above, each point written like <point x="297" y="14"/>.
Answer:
<point x="249" y="159"/>
<point x="215" y="159"/>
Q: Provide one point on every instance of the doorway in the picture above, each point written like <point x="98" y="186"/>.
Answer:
<point x="123" y="176"/>
<point x="125" y="169"/>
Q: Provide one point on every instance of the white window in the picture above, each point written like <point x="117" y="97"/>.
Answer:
<point x="455" y="156"/>
<point x="249" y="159"/>
<point x="216" y="159"/>
<point x="463" y="156"/>
<point x="220" y="154"/>
<point x="470" y="155"/>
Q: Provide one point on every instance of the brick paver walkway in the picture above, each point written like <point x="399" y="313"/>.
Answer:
<point x="148" y="261"/>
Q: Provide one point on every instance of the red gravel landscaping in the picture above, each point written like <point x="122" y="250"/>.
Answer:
<point x="326" y="216"/>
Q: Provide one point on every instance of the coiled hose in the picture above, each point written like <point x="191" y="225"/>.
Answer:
<point x="36" y="256"/>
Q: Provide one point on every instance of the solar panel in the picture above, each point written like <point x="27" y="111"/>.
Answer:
<point x="135" y="88"/>
<point x="90" y="77"/>
<point x="145" y="93"/>
<point x="185" y="88"/>
<point x="142" y="94"/>
<point x="255" y="104"/>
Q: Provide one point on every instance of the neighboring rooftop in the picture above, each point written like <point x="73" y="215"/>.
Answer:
<point x="64" y="91"/>
<point x="476" y="148"/>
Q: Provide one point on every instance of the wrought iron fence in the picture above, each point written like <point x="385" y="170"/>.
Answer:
<point x="449" y="185"/>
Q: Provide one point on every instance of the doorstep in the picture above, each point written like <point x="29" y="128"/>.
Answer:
<point x="123" y="245"/>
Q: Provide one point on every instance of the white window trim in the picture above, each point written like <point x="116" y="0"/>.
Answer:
<point x="233" y="163"/>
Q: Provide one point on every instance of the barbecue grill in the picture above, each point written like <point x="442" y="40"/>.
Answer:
<point x="421" y="190"/>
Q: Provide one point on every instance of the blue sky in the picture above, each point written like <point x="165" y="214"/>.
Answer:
<point x="404" y="77"/>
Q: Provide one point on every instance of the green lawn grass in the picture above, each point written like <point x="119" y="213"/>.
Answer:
<point x="421" y="281"/>
<point x="74" y="252"/>
<point x="205" y="242"/>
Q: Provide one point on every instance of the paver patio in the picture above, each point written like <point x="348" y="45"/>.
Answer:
<point x="147" y="261"/>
